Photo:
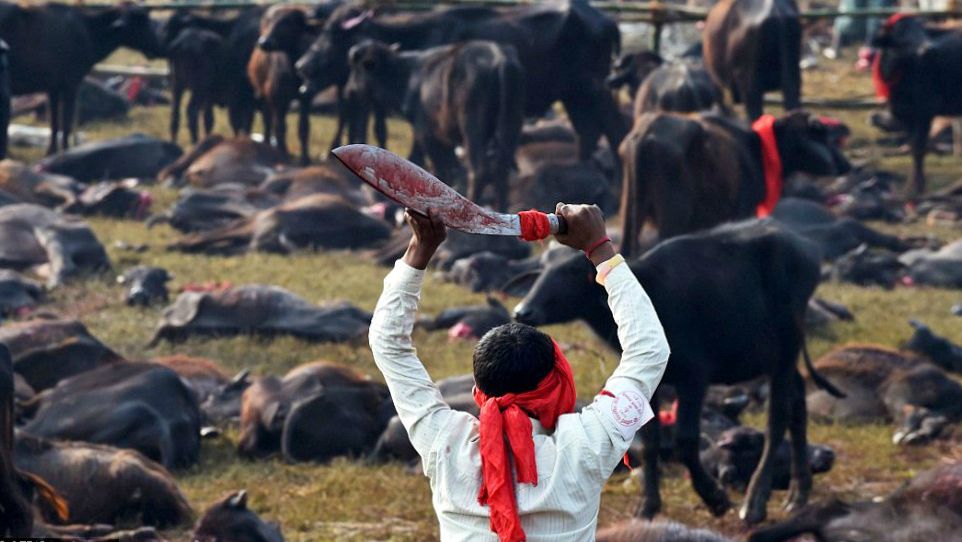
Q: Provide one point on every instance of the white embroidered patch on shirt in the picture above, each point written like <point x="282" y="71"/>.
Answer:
<point x="627" y="408"/>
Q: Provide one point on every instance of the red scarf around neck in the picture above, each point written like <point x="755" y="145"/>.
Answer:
<point x="505" y="421"/>
<point x="883" y="86"/>
<point x="764" y="126"/>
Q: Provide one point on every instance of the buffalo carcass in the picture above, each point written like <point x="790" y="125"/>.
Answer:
<point x="928" y="508"/>
<point x="16" y="511"/>
<point x="565" y="50"/>
<point x="151" y="410"/>
<point x="231" y="519"/>
<point x="200" y="209"/>
<point x="658" y="531"/>
<point x="316" y="412"/>
<point x="940" y="268"/>
<point x="882" y="384"/>
<point x="917" y="71"/>
<point x="320" y="221"/>
<point x="751" y="47"/>
<point x="102" y="484"/>
<point x="113" y="199"/>
<point x="20" y="183"/>
<point x="939" y="350"/>
<point x="59" y="247"/>
<point x="194" y="56"/>
<point x="74" y="38"/>
<point x="18" y="294"/>
<point x="470" y="322"/>
<point x="285" y="34"/>
<point x="758" y="280"/>
<point x="217" y="160"/>
<point x="690" y="172"/>
<point x="45" y="351"/>
<point x="454" y="95"/>
<point x="135" y="155"/>
<point x="239" y="37"/>
<point x="329" y="177"/>
<point x="145" y="285"/>
<point x="262" y="310"/>
<point x="204" y="377"/>
<point x="734" y="456"/>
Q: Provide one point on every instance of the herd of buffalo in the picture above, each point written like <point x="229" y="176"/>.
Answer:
<point x="730" y="226"/>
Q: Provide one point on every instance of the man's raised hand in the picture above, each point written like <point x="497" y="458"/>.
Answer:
<point x="429" y="233"/>
<point x="586" y="229"/>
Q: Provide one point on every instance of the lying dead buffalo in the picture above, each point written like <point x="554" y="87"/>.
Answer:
<point x="734" y="456"/>
<point x="465" y="94"/>
<point x="22" y="184"/>
<point x="44" y="352"/>
<point x="691" y="172"/>
<point x="204" y="376"/>
<point x="216" y="160"/>
<point x="655" y="531"/>
<point x="145" y="285"/>
<point x="18" y="294"/>
<point x="834" y="235"/>
<point x="928" y="508"/>
<point x="325" y="178"/>
<point x="151" y="410"/>
<point x="316" y="412"/>
<point x="470" y="322"/>
<point x="36" y="237"/>
<point x="114" y="199"/>
<point x="758" y="280"/>
<point x="882" y="384"/>
<point x="259" y="309"/>
<point x="940" y="268"/>
<point x="229" y="519"/>
<point x="135" y="155"/>
<point x="102" y="484"/>
<point x="939" y="350"/>
<point x="200" y="209"/>
<point x="320" y="221"/>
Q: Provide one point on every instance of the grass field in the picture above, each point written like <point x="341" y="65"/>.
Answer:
<point x="348" y="501"/>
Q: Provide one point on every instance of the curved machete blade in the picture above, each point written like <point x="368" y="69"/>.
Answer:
<point x="413" y="187"/>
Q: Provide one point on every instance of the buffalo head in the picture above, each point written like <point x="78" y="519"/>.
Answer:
<point x="374" y="73"/>
<point x="805" y="144"/>
<point x="325" y="62"/>
<point x="132" y="27"/>
<point x="284" y="27"/>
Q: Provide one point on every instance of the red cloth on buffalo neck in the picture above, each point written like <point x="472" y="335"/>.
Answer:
<point x="883" y="86"/>
<point x="764" y="126"/>
<point x="505" y="418"/>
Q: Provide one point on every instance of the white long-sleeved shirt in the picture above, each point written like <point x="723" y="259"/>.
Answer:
<point x="574" y="461"/>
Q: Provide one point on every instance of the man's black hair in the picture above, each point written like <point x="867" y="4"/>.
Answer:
<point x="512" y="358"/>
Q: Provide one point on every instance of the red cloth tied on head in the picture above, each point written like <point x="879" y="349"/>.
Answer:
<point x="764" y="126"/>
<point x="505" y="422"/>
<point x="883" y="86"/>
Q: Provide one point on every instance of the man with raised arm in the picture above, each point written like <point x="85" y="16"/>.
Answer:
<point x="530" y="467"/>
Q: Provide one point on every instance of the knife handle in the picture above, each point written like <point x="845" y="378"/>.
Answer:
<point x="558" y="224"/>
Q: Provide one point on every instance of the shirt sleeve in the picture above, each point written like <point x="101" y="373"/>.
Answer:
<point x="417" y="399"/>
<point x="617" y="413"/>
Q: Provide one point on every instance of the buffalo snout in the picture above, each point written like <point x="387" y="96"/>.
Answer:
<point x="526" y="314"/>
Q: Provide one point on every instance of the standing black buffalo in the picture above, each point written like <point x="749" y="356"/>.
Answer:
<point x="732" y="302"/>
<point x="463" y="94"/>
<point x="753" y="46"/>
<point x="54" y="46"/>
<point x="919" y="71"/>
<point x="565" y="49"/>
<point x="691" y="172"/>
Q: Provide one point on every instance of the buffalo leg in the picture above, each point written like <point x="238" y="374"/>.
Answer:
<point x="616" y="126"/>
<point x="380" y="127"/>
<point x="791" y="76"/>
<point x="268" y="120"/>
<point x="304" y="128"/>
<point x="754" y="97"/>
<point x="176" y="94"/>
<point x="798" y="428"/>
<point x="687" y="444"/>
<point x="69" y="105"/>
<point x="341" y="116"/>
<point x="443" y="161"/>
<point x="417" y="154"/>
<point x="586" y="120"/>
<point x="279" y="112"/>
<point x="193" y="117"/>
<point x="53" y="105"/>
<point x="651" y="438"/>
<point x="208" y="118"/>
<point x="356" y="119"/>
<point x="760" y="488"/>
<point x="919" y="142"/>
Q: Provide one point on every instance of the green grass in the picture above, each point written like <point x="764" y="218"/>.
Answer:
<point x="348" y="501"/>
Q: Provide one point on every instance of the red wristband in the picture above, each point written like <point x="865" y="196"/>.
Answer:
<point x="594" y="246"/>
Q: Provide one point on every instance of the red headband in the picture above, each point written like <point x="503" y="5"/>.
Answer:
<point x="507" y="418"/>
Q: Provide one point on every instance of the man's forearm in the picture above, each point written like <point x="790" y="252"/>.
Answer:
<point x="645" y="349"/>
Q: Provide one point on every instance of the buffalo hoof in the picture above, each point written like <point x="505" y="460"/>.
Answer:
<point x="720" y="504"/>
<point x="752" y="514"/>
<point x="648" y="508"/>
<point x="796" y="501"/>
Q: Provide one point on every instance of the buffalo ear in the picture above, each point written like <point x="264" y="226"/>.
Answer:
<point x="238" y="500"/>
<point x="520" y="285"/>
